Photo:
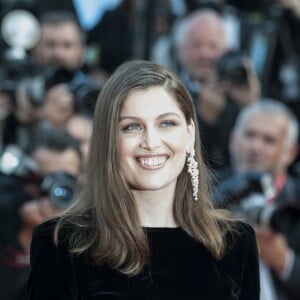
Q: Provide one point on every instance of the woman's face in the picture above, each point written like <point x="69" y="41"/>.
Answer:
<point x="153" y="139"/>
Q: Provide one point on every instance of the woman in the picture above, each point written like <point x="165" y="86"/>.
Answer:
<point x="143" y="226"/>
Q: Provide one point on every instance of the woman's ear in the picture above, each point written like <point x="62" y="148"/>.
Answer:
<point x="191" y="133"/>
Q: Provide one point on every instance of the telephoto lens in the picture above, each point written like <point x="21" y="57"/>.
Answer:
<point x="60" y="187"/>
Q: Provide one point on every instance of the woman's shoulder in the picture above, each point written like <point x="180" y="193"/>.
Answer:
<point x="239" y="267"/>
<point x="47" y="227"/>
<point x="241" y="253"/>
<point x="241" y="240"/>
<point x="45" y="232"/>
<point x="243" y="230"/>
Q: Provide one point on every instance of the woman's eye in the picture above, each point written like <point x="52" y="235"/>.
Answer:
<point x="168" y="124"/>
<point x="132" y="127"/>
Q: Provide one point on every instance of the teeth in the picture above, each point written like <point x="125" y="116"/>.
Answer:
<point x="153" y="161"/>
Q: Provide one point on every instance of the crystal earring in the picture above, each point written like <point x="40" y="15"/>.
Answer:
<point x="192" y="168"/>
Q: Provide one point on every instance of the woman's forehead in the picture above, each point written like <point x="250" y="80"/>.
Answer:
<point x="154" y="100"/>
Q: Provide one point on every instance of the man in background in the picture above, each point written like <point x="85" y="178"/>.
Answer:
<point x="201" y="43"/>
<point x="28" y="198"/>
<point x="260" y="189"/>
<point x="62" y="42"/>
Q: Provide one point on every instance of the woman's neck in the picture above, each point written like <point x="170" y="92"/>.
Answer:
<point x="155" y="208"/>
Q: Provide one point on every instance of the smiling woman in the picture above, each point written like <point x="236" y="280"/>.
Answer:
<point x="144" y="226"/>
<point x="153" y="142"/>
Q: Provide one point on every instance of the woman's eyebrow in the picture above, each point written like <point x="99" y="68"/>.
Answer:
<point x="169" y="114"/>
<point x="164" y="115"/>
<point x="129" y="117"/>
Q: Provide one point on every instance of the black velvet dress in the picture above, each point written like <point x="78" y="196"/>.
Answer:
<point x="179" y="268"/>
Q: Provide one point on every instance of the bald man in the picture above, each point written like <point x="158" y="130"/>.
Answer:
<point x="201" y="41"/>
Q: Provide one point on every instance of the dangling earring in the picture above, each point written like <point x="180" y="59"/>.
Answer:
<point x="192" y="168"/>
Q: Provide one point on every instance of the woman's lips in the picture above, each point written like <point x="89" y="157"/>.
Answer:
<point x="152" y="161"/>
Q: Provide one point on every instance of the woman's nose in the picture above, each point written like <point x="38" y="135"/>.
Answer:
<point x="151" y="139"/>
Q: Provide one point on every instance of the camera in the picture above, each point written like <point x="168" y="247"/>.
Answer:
<point x="280" y="218"/>
<point x="246" y="196"/>
<point x="231" y="66"/>
<point x="14" y="162"/>
<point x="254" y="5"/>
<point x="85" y="92"/>
<point x="60" y="187"/>
<point x="12" y="74"/>
<point x="84" y="89"/>
<point x="20" y="32"/>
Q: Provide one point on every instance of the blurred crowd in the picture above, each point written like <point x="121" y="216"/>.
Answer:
<point x="240" y="60"/>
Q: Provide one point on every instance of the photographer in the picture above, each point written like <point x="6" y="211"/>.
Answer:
<point x="22" y="116"/>
<point x="80" y="128"/>
<point x="62" y="48"/>
<point x="58" y="106"/>
<point x="259" y="188"/>
<point x="40" y="186"/>
<point x="62" y="42"/>
<point x="201" y="42"/>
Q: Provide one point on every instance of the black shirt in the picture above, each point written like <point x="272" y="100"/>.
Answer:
<point x="179" y="268"/>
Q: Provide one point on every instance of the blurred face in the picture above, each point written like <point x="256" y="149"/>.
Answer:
<point x="204" y="43"/>
<point x="262" y="144"/>
<point x="81" y="128"/>
<point x="60" y="46"/>
<point x="50" y="161"/>
<point x="59" y="105"/>
<point x="153" y="139"/>
<point x="35" y="211"/>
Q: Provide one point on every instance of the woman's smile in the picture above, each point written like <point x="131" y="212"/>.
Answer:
<point x="152" y="162"/>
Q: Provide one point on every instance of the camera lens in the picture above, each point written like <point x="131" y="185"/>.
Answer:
<point x="61" y="196"/>
<point x="60" y="187"/>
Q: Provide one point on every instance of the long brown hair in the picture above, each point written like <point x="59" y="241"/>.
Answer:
<point x="104" y="218"/>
